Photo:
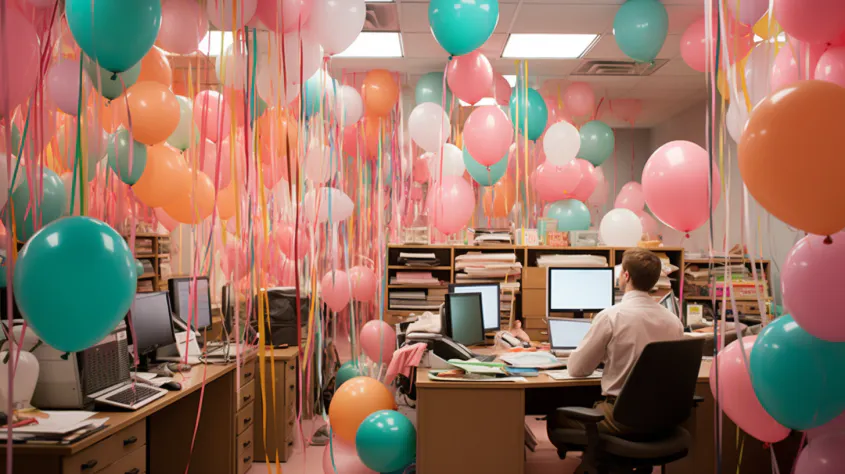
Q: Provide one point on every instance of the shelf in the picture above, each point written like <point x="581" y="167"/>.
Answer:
<point x="403" y="267"/>
<point x="719" y="299"/>
<point x="412" y="287"/>
<point x="145" y="255"/>
<point x="147" y="275"/>
<point x="699" y="261"/>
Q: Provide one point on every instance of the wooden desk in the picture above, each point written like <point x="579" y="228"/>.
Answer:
<point x="275" y="417"/>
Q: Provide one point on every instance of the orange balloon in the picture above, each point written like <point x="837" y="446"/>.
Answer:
<point x="107" y="111"/>
<point x="355" y="400"/>
<point x="370" y="127"/>
<point x="277" y="133"/>
<point x="155" y="67"/>
<point x="790" y="156"/>
<point x="195" y="204"/>
<point x="226" y="202"/>
<point x="154" y="110"/>
<point x="500" y="198"/>
<point x="380" y="92"/>
<point x="165" y="176"/>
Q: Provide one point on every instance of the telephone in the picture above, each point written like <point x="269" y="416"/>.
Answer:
<point x="442" y="346"/>
<point x="509" y="340"/>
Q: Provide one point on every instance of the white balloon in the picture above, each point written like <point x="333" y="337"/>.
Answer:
<point x="6" y="178"/>
<point x="453" y="162"/>
<point x="758" y="72"/>
<point x="620" y="228"/>
<point x="319" y="164"/>
<point x="269" y="76"/>
<point x="561" y="143"/>
<point x="429" y="126"/>
<point x="336" y="23"/>
<point x="220" y="13"/>
<point x="340" y="204"/>
<point x="349" y="107"/>
<point x="736" y="119"/>
<point x="234" y="60"/>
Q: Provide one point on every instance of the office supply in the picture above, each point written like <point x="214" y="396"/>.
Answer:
<point x="565" y="334"/>
<point x="507" y="339"/>
<point x="534" y="360"/>
<point x="464" y="318"/>
<point x="522" y="371"/>
<point x="198" y="310"/>
<point x="185" y="350"/>
<point x="563" y="374"/>
<point x="579" y="290"/>
<point x="130" y="395"/>
<point x="490" y="294"/>
<point x="171" y="385"/>
<point x="149" y="325"/>
<point x="434" y="375"/>
<point x="474" y="367"/>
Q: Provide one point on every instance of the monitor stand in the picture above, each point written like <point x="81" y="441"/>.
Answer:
<point x="143" y="363"/>
<point x="578" y="314"/>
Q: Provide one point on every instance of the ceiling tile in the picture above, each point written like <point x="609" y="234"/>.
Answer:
<point x="667" y="83"/>
<point x="606" y="48"/>
<point x="681" y="16"/>
<point x="677" y="67"/>
<point x="423" y="45"/>
<point x="573" y="19"/>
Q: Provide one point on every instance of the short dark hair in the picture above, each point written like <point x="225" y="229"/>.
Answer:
<point x="643" y="267"/>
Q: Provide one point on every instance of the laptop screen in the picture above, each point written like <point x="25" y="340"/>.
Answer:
<point x="567" y="333"/>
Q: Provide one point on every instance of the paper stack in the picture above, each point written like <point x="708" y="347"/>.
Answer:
<point x="492" y="267"/>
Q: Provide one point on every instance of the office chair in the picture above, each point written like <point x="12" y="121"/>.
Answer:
<point x="657" y="397"/>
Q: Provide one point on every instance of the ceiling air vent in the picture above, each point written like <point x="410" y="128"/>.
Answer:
<point x="381" y="17"/>
<point x="617" y="68"/>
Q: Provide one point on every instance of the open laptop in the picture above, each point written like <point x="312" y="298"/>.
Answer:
<point x="565" y="334"/>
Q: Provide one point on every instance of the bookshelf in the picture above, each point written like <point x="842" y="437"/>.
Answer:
<point x="153" y="250"/>
<point x="697" y="290"/>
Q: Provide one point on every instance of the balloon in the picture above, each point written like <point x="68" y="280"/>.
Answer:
<point x="226" y="202"/>
<point x="353" y="402"/>
<point x="96" y="143"/>
<point x="165" y="176"/>
<point x="500" y="198"/>
<point x="758" y="72"/>
<point x="570" y="215"/>
<point x="450" y="203"/>
<point x="63" y="85"/>
<point x="335" y="290"/>
<point x="320" y="166"/>
<point x="155" y="67"/>
<point x="821" y="456"/>
<point x="831" y="66"/>
<point x="588" y="182"/>
<point x="194" y="204"/>
<point x="695" y="43"/>
<point x="501" y="90"/>
<point x="651" y="229"/>
<point x="115" y="34"/>
<point x="429" y="126"/>
<point x="597" y="142"/>
<point x="817" y="21"/>
<point x="380" y="92"/>
<point x="630" y="197"/>
<point x="336" y="24"/>
<point x="627" y="110"/>
<point x="421" y="173"/>
<point x="349" y="107"/>
<point x="70" y="320"/>
<point x="221" y="13"/>
<point x="165" y="220"/>
<point x="675" y="185"/>
<point x="277" y="133"/>
<point x="120" y="148"/>
<point x="736" y="119"/>
<point x="561" y="143"/>
<point x="599" y="196"/>
<point x="346" y="460"/>
<point x="488" y="134"/>
<point x="579" y="99"/>
<point x="557" y="182"/>
<point x="749" y="11"/>
<point x="363" y="281"/>
<point x="835" y="426"/>
<point x="6" y="179"/>
<point x="429" y="88"/>
<point x="348" y="370"/>
<point x="452" y="163"/>
<point x="485" y="175"/>
<point x="181" y="137"/>
<point x="330" y="199"/>
<point x="378" y="341"/>
<point x="211" y="115"/>
<point x="184" y="24"/>
<point x="620" y="228"/>
<point x="51" y="201"/>
<point x="154" y="110"/>
<point x="292" y="15"/>
<point x="269" y="81"/>
<point x="797" y="377"/>
<point x="767" y="27"/>
<point x="787" y="69"/>
<point x="640" y="28"/>
<point x="288" y="242"/>
<point x="470" y="76"/>
<point x="110" y="85"/>
<point x="462" y="27"/>
<point x="231" y="66"/>
<point x="533" y="106"/>
<point x="386" y="441"/>
<point x="801" y="120"/>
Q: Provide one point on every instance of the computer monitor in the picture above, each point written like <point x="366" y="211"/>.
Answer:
<point x="579" y="290"/>
<point x="565" y="334"/>
<point x="464" y="320"/>
<point x="180" y="298"/>
<point x="149" y="325"/>
<point x="670" y="302"/>
<point x="490" y="294"/>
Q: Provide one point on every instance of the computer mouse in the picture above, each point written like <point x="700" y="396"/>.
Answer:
<point x="173" y="386"/>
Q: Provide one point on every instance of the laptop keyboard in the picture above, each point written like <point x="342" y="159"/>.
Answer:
<point x="132" y="395"/>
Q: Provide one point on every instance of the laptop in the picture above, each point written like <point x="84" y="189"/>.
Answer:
<point x="565" y="334"/>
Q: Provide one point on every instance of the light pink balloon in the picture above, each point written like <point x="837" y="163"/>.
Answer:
<point x="630" y="197"/>
<point x="787" y="69"/>
<point x="556" y="182"/>
<point x="694" y="43"/>
<point x="168" y="222"/>
<point x="556" y="114"/>
<point x="420" y="171"/>
<point x="20" y="47"/>
<point x="835" y="426"/>
<point x="749" y="11"/>
<point x="450" y="204"/>
<point x="211" y="110"/>
<point x="63" y="85"/>
<point x="516" y="152"/>
<point x="579" y="99"/>
<point x="650" y="226"/>
<point x="335" y="290"/>
<point x="346" y="459"/>
<point x="588" y="181"/>
<point x="600" y="193"/>
<point x="293" y="16"/>
<point x="286" y="238"/>
<point x="822" y="456"/>
<point x="234" y="254"/>
<point x="831" y="66"/>
<point x="501" y="90"/>
<point x="184" y="23"/>
<point x="737" y="396"/>
<point x="628" y="110"/>
<point x="818" y="21"/>
<point x="363" y="283"/>
<point x="220" y="13"/>
<point x="206" y="156"/>
<point x="470" y="76"/>
<point x="378" y="340"/>
<point x="272" y="173"/>
<point x="488" y="133"/>
<point x="675" y="185"/>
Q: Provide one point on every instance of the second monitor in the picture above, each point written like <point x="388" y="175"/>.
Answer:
<point x="579" y="290"/>
<point x="490" y="294"/>
<point x="180" y="298"/>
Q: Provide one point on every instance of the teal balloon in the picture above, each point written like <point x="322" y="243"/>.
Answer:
<point x="313" y="91"/>
<point x="483" y="175"/>
<point x="347" y="371"/>
<point x="52" y="204"/>
<point x="462" y="26"/>
<point x="640" y="28"/>
<point x="531" y="105"/>
<point x="798" y="378"/>
<point x="109" y="84"/>
<point x="386" y="441"/>
<point x="139" y="268"/>
<point x="88" y="272"/>
<point x="597" y="142"/>
<point x="115" y="33"/>
<point x="571" y="214"/>
<point x="430" y="89"/>
<point x="181" y="137"/>
<point x="119" y="145"/>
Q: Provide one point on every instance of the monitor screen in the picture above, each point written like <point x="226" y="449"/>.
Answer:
<point x="668" y="301"/>
<point x="580" y="289"/>
<point x="180" y="296"/>
<point x="567" y="333"/>
<point x="150" y="322"/>
<point x="489" y="302"/>
<point x="466" y="321"/>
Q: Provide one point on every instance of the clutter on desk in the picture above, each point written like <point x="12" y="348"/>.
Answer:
<point x="480" y="368"/>
<point x="53" y="427"/>
<point x="460" y="376"/>
<point x="563" y="374"/>
<point x="426" y="322"/>
<point x="535" y="360"/>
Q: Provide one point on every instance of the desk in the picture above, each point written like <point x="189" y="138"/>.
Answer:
<point x="275" y="417"/>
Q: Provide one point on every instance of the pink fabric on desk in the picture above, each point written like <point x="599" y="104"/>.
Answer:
<point x="403" y="360"/>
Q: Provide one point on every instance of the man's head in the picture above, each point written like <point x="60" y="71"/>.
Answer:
<point x="640" y="270"/>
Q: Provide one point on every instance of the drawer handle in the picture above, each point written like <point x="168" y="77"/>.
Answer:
<point x="246" y="444"/>
<point x="247" y="375"/>
<point x="130" y="440"/>
<point x="134" y="470"/>
<point x="89" y="465"/>
<point x="292" y="386"/>
<point x="247" y="420"/>
<point x="247" y="459"/>
<point x="247" y="398"/>
<point x="290" y="443"/>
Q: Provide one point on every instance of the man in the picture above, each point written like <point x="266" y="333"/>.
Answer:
<point x="619" y="334"/>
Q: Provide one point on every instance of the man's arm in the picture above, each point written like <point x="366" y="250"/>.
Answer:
<point x="589" y="354"/>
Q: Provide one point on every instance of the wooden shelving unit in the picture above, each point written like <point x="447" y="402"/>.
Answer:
<point x="153" y="250"/>
<point x="747" y="305"/>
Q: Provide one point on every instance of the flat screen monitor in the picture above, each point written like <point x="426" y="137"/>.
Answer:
<point x="464" y="318"/>
<point x="579" y="290"/>
<point x="149" y="325"/>
<point x="669" y="302"/>
<point x="566" y="334"/>
<point x="490" y="294"/>
<point x="185" y="308"/>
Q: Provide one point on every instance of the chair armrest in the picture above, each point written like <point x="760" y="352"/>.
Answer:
<point x="586" y="415"/>
<point x="697" y="400"/>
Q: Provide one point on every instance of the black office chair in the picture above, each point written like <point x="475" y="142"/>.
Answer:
<point x="657" y="397"/>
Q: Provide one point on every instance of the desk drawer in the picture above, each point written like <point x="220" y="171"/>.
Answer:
<point x="134" y="463"/>
<point x="245" y="461"/>
<point x="244" y="418"/>
<point x="248" y="373"/>
<point x="107" y="451"/>
<point x="245" y="440"/>
<point x="246" y="395"/>
<point x="541" y="335"/>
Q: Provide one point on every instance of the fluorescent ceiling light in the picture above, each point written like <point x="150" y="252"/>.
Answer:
<point x="378" y="1"/>
<point x="547" y="46"/>
<point x="484" y="101"/>
<point x="374" y="44"/>
<point x="211" y="44"/>
<point x="781" y="38"/>
<point x="511" y="79"/>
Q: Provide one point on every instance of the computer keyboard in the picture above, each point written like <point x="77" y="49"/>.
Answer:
<point x="484" y="358"/>
<point x="133" y="396"/>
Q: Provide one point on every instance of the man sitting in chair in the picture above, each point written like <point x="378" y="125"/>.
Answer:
<point x="619" y="334"/>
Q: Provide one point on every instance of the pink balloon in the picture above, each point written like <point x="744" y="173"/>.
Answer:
<point x="232" y="254"/>
<point x="749" y="11"/>
<point x="363" y="283"/>
<point x="378" y="340"/>
<point x="831" y="66"/>
<point x="450" y="204"/>
<point x="588" y="181"/>
<point x="822" y="456"/>
<point x="786" y="69"/>
<point x="813" y="21"/>
<point x="557" y="182"/>
<point x="20" y="47"/>
<point x="488" y="133"/>
<point x="650" y="226"/>
<point x="737" y="395"/>
<point x="630" y="197"/>
<point x="285" y="237"/>
<point x="39" y="17"/>
<point x="501" y="90"/>
<point x="63" y="85"/>
<point x="599" y="196"/>
<point x="335" y="290"/>
<point x="293" y="16"/>
<point x="675" y="185"/>
<point x="628" y="110"/>
<point x="421" y="172"/>
<point x="346" y="459"/>
<point x="835" y="426"/>
<point x="694" y="43"/>
<point x="212" y="116"/>
<point x="470" y="77"/>
<point x="812" y="270"/>
<point x="208" y="160"/>
<point x="168" y="222"/>
<point x="579" y="99"/>
<point x="516" y="151"/>
<point x="184" y="23"/>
